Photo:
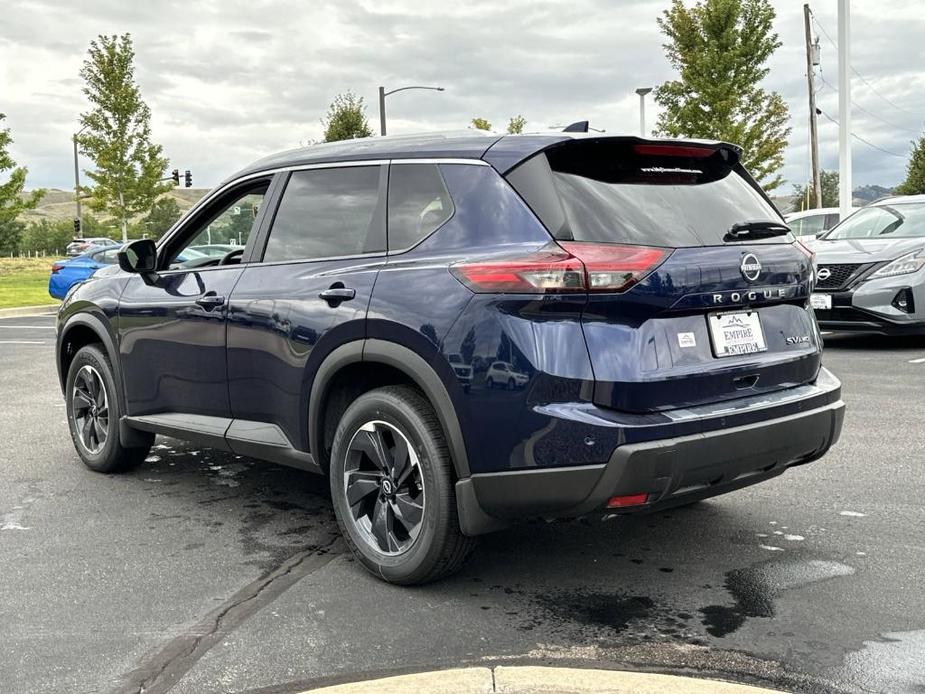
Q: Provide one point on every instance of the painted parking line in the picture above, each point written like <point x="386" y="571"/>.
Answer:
<point x="917" y="361"/>
<point x="21" y="342"/>
<point x="26" y="327"/>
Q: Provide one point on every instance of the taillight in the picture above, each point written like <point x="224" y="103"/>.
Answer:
<point x="610" y="268"/>
<point x="570" y="266"/>
<point x="805" y="250"/>
<point x="56" y="268"/>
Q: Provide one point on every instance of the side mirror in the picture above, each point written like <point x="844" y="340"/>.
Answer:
<point x="820" y="234"/>
<point x="139" y="257"/>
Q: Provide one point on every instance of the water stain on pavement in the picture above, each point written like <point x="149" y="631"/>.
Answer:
<point x="754" y="590"/>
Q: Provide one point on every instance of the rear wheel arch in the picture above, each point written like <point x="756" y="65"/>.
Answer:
<point x="370" y="364"/>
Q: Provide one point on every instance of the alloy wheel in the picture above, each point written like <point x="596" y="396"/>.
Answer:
<point x="384" y="488"/>
<point x="90" y="409"/>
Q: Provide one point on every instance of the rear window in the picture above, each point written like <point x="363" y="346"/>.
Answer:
<point x="894" y="221"/>
<point x="609" y="192"/>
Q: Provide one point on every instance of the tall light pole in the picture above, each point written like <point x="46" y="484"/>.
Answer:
<point x="642" y="91"/>
<point x="844" y="108"/>
<point x="78" y="226"/>
<point x="383" y="93"/>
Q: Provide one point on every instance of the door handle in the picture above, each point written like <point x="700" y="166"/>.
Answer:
<point x="210" y="301"/>
<point x="335" y="295"/>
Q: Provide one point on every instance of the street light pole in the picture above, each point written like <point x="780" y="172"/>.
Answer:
<point x="79" y="218"/>
<point x="642" y="91"/>
<point x="383" y="93"/>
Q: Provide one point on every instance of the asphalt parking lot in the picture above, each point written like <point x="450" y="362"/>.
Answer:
<point x="206" y="572"/>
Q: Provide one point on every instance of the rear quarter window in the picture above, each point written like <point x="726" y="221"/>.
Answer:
<point x="419" y="203"/>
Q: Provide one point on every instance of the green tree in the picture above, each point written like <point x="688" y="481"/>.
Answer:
<point x="516" y="125"/>
<point x="117" y="135"/>
<point x="164" y="212"/>
<point x="915" y="170"/>
<point x="346" y="118"/>
<point x="828" y="181"/>
<point x="481" y="124"/>
<point x="12" y="199"/>
<point x="720" y="49"/>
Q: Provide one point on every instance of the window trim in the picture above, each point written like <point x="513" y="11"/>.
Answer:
<point x="278" y="176"/>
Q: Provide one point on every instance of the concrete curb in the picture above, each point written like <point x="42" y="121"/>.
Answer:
<point x="540" y="680"/>
<point x="46" y="310"/>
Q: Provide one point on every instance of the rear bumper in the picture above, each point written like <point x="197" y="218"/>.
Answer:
<point x="670" y="471"/>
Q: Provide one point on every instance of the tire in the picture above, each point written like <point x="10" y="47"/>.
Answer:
<point x="415" y="537"/>
<point x="510" y="384"/>
<point x="93" y="414"/>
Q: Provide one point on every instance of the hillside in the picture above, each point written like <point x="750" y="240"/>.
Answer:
<point x="59" y="204"/>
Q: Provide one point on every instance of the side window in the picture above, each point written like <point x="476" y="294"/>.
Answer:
<point x="225" y="230"/>
<point x="418" y="203"/>
<point x="831" y="220"/>
<point x="812" y="225"/>
<point x="326" y="213"/>
<point x="796" y="226"/>
<point x="108" y="257"/>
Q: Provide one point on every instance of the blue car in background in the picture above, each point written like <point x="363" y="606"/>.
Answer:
<point x="66" y="273"/>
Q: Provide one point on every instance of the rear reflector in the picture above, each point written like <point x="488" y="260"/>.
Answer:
<point x="624" y="501"/>
<point x="570" y="266"/>
<point x="55" y="268"/>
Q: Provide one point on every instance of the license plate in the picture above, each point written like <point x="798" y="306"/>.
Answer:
<point x="821" y="302"/>
<point x="736" y="333"/>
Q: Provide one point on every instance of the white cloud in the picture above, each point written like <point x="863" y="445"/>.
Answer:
<point x="231" y="81"/>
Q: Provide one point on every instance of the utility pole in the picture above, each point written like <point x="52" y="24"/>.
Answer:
<point x="844" y="108"/>
<point x="812" y="59"/>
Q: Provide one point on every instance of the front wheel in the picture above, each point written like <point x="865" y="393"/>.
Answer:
<point x="93" y="413"/>
<point x="392" y="487"/>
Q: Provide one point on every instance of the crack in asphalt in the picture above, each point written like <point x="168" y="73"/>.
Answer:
<point x="163" y="670"/>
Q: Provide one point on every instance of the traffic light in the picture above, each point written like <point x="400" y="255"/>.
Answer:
<point x="175" y="175"/>
<point x="188" y="179"/>
<point x="76" y="227"/>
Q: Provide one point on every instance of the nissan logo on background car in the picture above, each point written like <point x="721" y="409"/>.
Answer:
<point x="750" y="267"/>
<point x="823" y="274"/>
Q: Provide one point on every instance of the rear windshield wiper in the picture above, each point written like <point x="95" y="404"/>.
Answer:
<point x="756" y="229"/>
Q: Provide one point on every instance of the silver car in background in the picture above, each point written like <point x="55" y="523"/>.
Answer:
<point x="870" y="270"/>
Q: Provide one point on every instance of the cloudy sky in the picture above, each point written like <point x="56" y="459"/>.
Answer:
<point x="229" y="81"/>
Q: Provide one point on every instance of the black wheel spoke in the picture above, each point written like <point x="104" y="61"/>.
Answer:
<point x="98" y="431"/>
<point x="371" y="445"/>
<point x="362" y="484"/>
<point x="82" y="400"/>
<point x="401" y="461"/>
<point x="408" y="512"/>
<point x="382" y="524"/>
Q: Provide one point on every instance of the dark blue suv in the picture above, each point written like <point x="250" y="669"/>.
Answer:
<point x="464" y="331"/>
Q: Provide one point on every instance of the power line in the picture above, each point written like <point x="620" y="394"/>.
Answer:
<point x="864" y="110"/>
<point x="860" y="76"/>
<point x="861" y="139"/>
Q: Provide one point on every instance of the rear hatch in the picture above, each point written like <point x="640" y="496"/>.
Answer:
<point x="711" y="298"/>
